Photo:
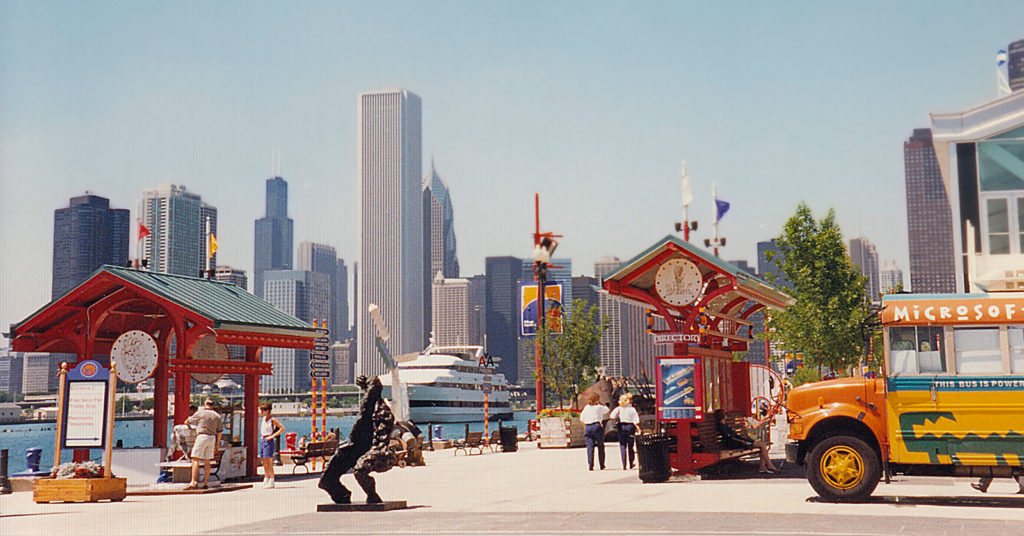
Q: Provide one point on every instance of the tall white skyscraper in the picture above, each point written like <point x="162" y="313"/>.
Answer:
<point x="865" y="258"/>
<point x="890" y="276"/>
<point x="391" y="257"/>
<point x="179" y="222"/>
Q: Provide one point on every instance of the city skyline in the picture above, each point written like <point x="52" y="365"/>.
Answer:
<point x="511" y="110"/>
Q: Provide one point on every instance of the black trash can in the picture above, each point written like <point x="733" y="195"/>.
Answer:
<point x="652" y="453"/>
<point x="509" y="439"/>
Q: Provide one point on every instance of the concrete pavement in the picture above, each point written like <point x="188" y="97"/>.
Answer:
<point x="538" y="491"/>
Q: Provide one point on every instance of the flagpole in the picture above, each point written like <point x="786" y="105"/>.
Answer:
<point x="714" y="207"/>
<point x="686" y="207"/>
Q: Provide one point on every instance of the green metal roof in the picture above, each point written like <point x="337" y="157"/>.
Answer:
<point x="224" y="303"/>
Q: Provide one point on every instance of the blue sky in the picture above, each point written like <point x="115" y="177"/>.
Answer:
<point x="591" y="104"/>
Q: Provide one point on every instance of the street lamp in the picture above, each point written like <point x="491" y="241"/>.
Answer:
<point x="544" y="245"/>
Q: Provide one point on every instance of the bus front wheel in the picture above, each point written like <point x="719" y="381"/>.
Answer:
<point x="843" y="469"/>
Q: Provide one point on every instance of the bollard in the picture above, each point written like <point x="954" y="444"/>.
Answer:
<point x="430" y="435"/>
<point x="5" y="483"/>
<point x="277" y="451"/>
<point x="32" y="457"/>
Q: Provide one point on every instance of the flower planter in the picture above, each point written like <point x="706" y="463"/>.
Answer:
<point x="561" y="432"/>
<point x="79" y="489"/>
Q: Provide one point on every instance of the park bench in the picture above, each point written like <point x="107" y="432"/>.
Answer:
<point x="314" y="450"/>
<point x="494" y="442"/>
<point x="709" y="440"/>
<point x="473" y="440"/>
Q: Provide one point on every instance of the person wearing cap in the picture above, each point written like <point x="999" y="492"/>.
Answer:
<point x="208" y="428"/>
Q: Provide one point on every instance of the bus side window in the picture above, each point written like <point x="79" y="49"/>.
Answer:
<point x="1016" y="334"/>
<point x="902" y="351"/>
<point x="930" y="357"/>
<point x="977" y="351"/>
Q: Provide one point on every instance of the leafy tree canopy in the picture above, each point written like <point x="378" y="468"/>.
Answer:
<point x="569" y="361"/>
<point x="825" y="323"/>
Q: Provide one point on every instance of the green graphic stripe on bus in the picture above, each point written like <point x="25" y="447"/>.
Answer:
<point x="951" y="445"/>
<point x="954" y="383"/>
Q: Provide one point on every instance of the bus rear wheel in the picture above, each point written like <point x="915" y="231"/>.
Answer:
<point x="843" y="469"/>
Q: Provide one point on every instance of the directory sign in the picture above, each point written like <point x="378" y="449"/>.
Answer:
<point x="85" y="406"/>
<point x="678" y="388"/>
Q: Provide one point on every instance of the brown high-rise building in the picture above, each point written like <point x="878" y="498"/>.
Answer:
<point x="929" y="219"/>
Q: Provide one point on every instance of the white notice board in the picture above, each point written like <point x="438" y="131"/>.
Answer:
<point x="86" y="414"/>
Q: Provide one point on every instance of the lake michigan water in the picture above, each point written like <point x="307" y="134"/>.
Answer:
<point x="16" y="438"/>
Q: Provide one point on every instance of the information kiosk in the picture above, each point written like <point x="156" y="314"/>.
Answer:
<point x="701" y="306"/>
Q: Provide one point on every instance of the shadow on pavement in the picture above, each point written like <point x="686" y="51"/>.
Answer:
<point x="901" y="500"/>
<point x="749" y="470"/>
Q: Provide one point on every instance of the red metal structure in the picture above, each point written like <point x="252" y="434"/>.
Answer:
<point x="705" y="305"/>
<point x="176" y="311"/>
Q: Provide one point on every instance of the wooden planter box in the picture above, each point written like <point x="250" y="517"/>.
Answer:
<point x="556" y="432"/>
<point x="79" y="489"/>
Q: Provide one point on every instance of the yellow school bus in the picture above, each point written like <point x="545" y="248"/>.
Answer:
<point x="949" y="402"/>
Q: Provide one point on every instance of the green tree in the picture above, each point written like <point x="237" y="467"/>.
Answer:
<point x="569" y="361"/>
<point x="825" y="323"/>
<point x="124" y="404"/>
<point x="147" y="404"/>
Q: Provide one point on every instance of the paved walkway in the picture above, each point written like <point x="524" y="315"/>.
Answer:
<point x="537" y="491"/>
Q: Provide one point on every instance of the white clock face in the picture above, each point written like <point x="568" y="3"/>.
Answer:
<point x="678" y="282"/>
<point x="135" y="354"/>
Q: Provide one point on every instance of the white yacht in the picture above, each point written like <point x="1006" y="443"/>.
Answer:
<point x="447" y="384"/>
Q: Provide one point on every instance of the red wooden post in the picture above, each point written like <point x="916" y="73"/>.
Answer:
<point x="250" y="402"/>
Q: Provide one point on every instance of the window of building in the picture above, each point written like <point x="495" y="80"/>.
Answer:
<point x="1016" y="335"/>
<point x="977" y="351"/>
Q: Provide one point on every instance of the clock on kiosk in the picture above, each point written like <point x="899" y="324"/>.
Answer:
<point x="678" y="282"/>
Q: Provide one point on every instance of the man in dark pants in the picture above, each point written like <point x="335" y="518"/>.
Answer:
<point x="593" y="415"/>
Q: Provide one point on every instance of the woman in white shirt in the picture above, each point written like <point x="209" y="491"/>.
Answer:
<point x="629" y="424"/>
<point x="593" y="429"/>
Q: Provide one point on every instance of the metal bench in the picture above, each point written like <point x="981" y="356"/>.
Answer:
<point x="473" y="440"/>
<point x="314" y="450"/>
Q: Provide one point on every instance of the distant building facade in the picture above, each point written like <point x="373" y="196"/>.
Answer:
<point x="391" y="230"/>
<point x="450" y="318"/>
<point x="235" y="276"/>
<point x="86" y="235"/>
<point x="304" y="295"/>
<point x="610" y="347"/>
<point x="478" y="310"/>
<point x="344" y="363"/>
<point x="179" y="223"/>
<point x="274" y="234"/>
<point x="1015" y="65"/>
<point x="502" y="275"/>
<point x="768" y="265"/>
<point x="323" y="259"/>
<point x="864" y="258"/>
<point x="890" y="277"/>
<point x="929" y="219"/>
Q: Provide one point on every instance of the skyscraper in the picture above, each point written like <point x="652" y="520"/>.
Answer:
<point x="179" y="223"/>
<point x="306" y="296"/>
<point x="610" y="347"/>
<point x="503" y="274"/>
<point x="865" y="259"/>
<point x="477" y="309"/>
<point x="391" y="256"/>
<point x="322" y="259"/>
<point x="274" y="233"/>
<point x="929" y="220"/>
<point x="443" y="256"/>
<point x="450" y="318"/>
<point x="86" y="235"/>
<point x="890" y="277"/>
<point x="1015" y="65"/>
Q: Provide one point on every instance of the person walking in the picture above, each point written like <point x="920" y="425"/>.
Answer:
<point x="593" y="429"/>
<point x="270" y="428"/>
<point x="208" y="429"/>
<point x="985" y="481"/>
<point x="629" y="424"/>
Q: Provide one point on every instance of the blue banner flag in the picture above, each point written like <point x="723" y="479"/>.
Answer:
<point x="721" y="207"/>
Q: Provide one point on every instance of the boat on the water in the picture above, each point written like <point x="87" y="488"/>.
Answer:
<point x="448" y="383"/>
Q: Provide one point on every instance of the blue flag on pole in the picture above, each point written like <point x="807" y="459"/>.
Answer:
<point x="721" y="207"/>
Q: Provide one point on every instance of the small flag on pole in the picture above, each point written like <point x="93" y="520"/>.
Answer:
<point x="1001" y="58"/>
<point x="721" y="207"/>
<point x="687" y="192"/>
<point x="143" y="231"/>
<point x="213" y="245"/>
